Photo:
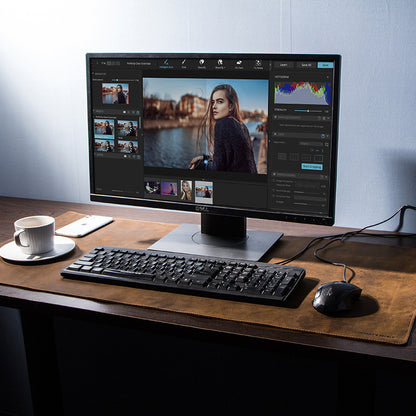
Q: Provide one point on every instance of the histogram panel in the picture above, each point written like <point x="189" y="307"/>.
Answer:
<point x="307" y="93"/>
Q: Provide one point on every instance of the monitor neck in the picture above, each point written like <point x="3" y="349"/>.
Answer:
<point x="223" y="225"/>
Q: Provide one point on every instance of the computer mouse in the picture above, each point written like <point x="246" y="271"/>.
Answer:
<point x="335" y="297"/>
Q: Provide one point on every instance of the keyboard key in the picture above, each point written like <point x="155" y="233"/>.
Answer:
<point x="126" y="273"/>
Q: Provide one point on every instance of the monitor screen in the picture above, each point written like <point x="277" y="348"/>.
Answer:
<point x="241" y="135"/>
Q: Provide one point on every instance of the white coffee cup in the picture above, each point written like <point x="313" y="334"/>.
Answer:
<point x="35" y="235"/>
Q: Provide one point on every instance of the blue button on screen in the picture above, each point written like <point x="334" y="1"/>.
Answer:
<point x="326" y="65"/>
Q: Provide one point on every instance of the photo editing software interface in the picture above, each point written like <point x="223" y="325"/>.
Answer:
<point x="243" y="132"/>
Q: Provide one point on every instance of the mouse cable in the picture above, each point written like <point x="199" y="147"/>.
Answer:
<point x="345" y="267"/>
<point x="306" y="248"/>
<point x="360" y="232"/>
<point x="402" y="212"/>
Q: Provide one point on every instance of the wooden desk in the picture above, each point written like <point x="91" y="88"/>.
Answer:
<point x="352" y="367"/>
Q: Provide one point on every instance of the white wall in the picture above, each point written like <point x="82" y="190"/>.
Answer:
<point x="43" y="117"/>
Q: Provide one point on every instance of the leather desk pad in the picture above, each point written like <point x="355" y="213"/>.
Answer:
<point x="387" y="275"/>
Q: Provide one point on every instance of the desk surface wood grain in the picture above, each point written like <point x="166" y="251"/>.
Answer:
<point x="14" y="208"/>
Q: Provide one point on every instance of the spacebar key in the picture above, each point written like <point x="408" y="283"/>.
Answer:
<point x="129" y="274"/>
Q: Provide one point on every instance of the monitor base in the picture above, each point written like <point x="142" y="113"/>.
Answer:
<point x="187" y="238"/>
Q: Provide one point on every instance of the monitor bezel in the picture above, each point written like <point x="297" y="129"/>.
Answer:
<point x="215" y="209"/>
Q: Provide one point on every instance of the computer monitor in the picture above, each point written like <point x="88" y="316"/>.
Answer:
<point x="229" y="136"/>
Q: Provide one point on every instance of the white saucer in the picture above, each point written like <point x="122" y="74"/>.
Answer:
<point x="11" y="251"/>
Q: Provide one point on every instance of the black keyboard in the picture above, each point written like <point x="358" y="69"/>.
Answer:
<point x="194" y="275"/>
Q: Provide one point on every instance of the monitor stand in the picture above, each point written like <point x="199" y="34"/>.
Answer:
<point x="219" y="236"/>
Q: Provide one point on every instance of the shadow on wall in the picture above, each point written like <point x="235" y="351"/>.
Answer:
<point x="402" y="184"/>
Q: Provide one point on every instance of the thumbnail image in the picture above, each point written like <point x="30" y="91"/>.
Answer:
<point x="180" y="126"/>
<point x="114" y="93"/>
<point x="102" y="145"/>
<point x="170" y="188"/>
<point x="126" y="128"/>
<point x="152" y="187"/>
<point x="186" y="190"/>
<point x="204" y="192"/>
<point x="128" y="146"/>
<point x="103" y="128"/>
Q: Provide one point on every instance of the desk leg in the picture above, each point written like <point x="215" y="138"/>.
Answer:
<point x="42" y="363"/>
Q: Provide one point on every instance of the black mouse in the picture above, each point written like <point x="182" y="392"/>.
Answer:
<point x="335" y="297"/>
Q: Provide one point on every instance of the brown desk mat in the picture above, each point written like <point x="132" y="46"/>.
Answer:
<point x="387" y="275"/>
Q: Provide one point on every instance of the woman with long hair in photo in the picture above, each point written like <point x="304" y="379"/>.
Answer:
<point x="107" y="128"/>
<point x="186" y="193"/>
<point x="121" y="98"/>
<point x="228" y="140"/>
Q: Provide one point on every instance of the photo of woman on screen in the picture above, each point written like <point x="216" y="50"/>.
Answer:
<point x="228" y="139"/>
<point x="121" y="98"/>
<point x="186" y="193"/>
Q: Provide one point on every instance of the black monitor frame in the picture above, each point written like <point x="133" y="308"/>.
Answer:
<point x="234" y="215"/>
